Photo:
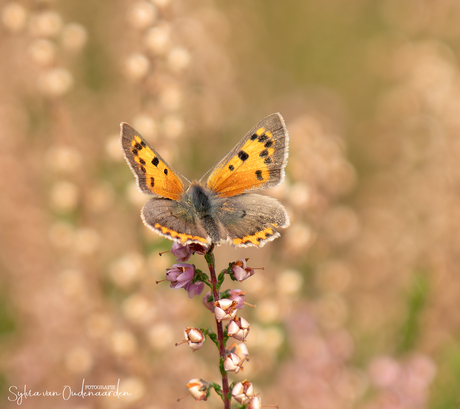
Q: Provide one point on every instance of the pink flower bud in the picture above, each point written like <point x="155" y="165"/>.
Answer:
<point x="238" y="329"/>
<point x="194" y="288"/>
<point x="180" y="275"/>
<point x="239" y="296"/>
<point x="208" y="304"/>
<point x="243" y="391"/>
<point x="198" y="388"/>
<point x="194" y="338"/>
<point x="240" y="270"/>
<point x="225" y="309"/>
<point x="182" y="253"/>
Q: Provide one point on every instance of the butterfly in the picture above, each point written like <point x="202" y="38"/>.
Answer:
<point x="224" y="209"/>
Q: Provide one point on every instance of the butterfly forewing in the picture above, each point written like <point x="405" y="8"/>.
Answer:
<point x="153" y="174"/>
<point x="256" y="162"/>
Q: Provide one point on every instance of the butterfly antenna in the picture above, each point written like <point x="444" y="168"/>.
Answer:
<point x="206" y="174"/>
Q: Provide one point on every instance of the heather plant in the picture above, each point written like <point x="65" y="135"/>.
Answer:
<point x="225" y="304"/>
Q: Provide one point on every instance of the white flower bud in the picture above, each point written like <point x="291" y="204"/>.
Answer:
<point x="238" y="329"/>
<point x="194" y="338"/>
<point x="232" y="363"/>
<point x="198" y="388"/>
<point x="225" y="309"/>
<point x="255" y="403"/>
<point x="243" y="391"/>
<point x="241" y="350"/>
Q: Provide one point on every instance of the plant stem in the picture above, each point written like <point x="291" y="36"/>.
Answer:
<point x="220" y="332"/>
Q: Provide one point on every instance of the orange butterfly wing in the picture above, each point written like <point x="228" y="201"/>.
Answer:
<point x="154" y="175"/>
<point x="256" y="162"/>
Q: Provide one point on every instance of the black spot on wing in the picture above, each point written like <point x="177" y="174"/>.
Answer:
<point x="264" y="153"/>
<point x="243" y="155"/>
<point x="262" y="138"/>
<point x="268" y="144"/>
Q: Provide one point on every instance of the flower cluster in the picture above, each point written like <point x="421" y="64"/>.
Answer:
<point x="225" y="306"/>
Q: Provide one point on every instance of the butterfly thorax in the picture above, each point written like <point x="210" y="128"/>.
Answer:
<point x="199" y="197"/>
<point x="202" y="201"/>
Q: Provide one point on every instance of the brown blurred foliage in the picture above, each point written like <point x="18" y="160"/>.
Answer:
<point x="358" y="304"/>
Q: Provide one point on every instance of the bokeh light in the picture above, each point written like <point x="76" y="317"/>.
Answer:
<point x="356" y="306"/>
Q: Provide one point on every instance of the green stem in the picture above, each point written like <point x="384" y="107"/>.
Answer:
<point x="209" y="256"/>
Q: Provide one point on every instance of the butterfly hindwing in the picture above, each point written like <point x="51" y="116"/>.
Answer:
<point x="256" y="162"/>
<point x="153" y="174"/>
<point x="251" y="219"/>
<point x="174" y="220"/>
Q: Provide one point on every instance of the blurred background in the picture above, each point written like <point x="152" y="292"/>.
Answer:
<point x="358" y="304"/>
